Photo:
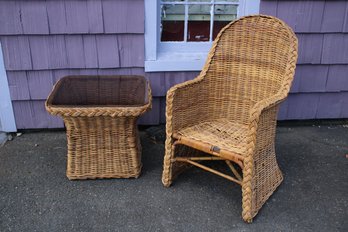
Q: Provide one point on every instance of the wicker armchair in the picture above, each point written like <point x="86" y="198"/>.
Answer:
<point x="229" y="111"/>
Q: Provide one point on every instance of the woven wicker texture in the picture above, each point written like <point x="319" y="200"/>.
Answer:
<point x="100" y="114"/>
<point x="230" y="110"/>
<point x="222" y="133"/>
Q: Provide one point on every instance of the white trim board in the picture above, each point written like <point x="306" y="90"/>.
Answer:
<point x="7" y="120"/>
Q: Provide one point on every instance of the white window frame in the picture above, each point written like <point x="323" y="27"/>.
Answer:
<point x="178" y="56"/>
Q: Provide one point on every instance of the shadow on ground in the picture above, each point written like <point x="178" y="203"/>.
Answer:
<point x="35" y="194"/>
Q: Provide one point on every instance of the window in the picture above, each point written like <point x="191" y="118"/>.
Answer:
<point x="179" y="33"/>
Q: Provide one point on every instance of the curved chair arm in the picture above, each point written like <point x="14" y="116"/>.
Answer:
<point x="267" y="121"/>
<point x="265" y="104"/>
<point x="184" y="102"/>
<point x="263" y="117"/>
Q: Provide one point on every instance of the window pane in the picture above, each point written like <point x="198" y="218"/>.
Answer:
<point x="172" y="22"/>
<point x="198" y="23"/>
<point x="223" y="14"/>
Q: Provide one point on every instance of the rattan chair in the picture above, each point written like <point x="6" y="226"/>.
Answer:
<point x="229" y="111"/>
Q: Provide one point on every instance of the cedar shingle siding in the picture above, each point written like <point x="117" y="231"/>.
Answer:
<point x="45" y="40"/>
<point x="320" y="88"/>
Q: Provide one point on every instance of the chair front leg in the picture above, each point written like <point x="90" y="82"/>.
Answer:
<point x="168" y="162"/>
<point x="261" y="174"/>
<point x="173" y="165"/>
<point x="247" y="191"/>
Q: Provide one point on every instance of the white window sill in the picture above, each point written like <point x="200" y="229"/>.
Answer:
<point x="176" y="61"/>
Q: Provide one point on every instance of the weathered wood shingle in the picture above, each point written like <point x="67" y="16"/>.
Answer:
<point x="337" y="79"/>
<point x="128" y="19"/>
<point x="283" y="111"/>
<point x="56" y="17"/>
<point x="312" y="78"/>
<point x="335" y="49"/>
<point x="48" y="52"/>
<point x="269" y="7"/>
<point x="34" y="17"/>
<point x="173" y="78"/>
<point x="302" y="16"/>
<point x="76" y="16"/>
<point x="40" y="84"/>
<point x="302" y="106"/>
<point x="344" y="108"/>
<point x="95" y="16"/>
<point x="16" y="51"/>
<point x="90" y="51"/>
<point x="10" y="22"/>
<point x="45" y="52"/>
<point x="157" y="80"/>
<point x="23" y="113"/>
<point x="295" y="86"/>
<point x="75" y="51"/>
<point x="18" y="84"/>
<point x="32" y="114"/>
<point x="329" y="106"/>
<point x="108" y="51"/>
<point x="345" y="23"/>
<point x="333" y="18"/>
<point x="131" y="50"/>
<point x="310" y="48"/>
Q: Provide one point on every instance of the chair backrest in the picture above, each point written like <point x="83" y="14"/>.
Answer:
<point x="253" y="58"/>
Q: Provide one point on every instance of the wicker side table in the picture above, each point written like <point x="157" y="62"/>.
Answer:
<point x="100" y="114"/>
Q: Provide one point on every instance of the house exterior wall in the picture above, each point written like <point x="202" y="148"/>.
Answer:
<point x="46" y="40"/>
<point x="320" y="87"/>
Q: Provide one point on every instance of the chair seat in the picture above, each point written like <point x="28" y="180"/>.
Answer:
<point x="222" y="133"/>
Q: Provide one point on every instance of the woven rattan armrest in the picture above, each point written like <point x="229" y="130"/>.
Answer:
<point x="266" y="104"/>
<point x="183" y="96"/>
